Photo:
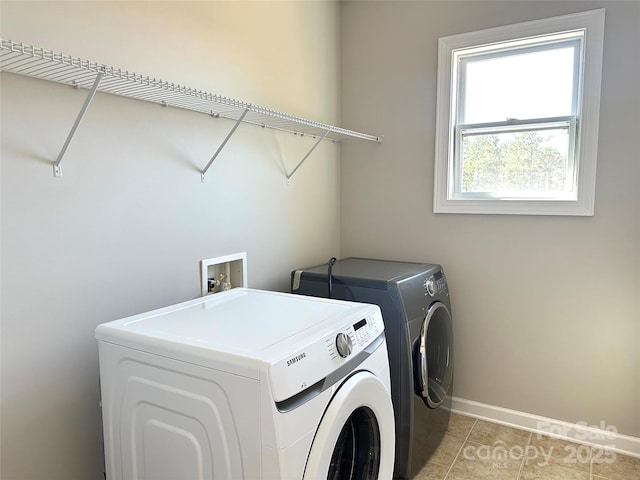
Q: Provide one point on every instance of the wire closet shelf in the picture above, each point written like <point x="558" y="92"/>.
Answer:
<point x="21" y="59"/>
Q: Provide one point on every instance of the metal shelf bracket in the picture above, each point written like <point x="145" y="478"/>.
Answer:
<point x="224" y="142"/>
<point x="320" y="139"/>
<point x="57" y="168"/>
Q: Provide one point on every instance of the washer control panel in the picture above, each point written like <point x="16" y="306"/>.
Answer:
<point x="318" y="356"/>
<point x="367" y="329"/>
<point x="354" y="338"/>
<point x="435" y="284"/>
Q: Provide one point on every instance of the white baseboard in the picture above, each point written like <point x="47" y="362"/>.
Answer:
<point x="598" y="436"/>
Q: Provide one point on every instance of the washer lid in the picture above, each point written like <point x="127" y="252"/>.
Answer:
<point x="237" y="331"/>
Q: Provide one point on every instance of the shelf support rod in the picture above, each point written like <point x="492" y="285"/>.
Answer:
<point x="57" y="168"/>
<point x="307" y="155"/>
<point x="224" y="142"/>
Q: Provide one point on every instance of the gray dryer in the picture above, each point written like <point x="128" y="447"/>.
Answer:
<point x="416" y="309"/>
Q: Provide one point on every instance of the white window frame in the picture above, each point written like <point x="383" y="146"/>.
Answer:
<point x="585" y="122"/>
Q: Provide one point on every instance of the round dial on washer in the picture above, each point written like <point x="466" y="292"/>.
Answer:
<point x="344" y="344"/>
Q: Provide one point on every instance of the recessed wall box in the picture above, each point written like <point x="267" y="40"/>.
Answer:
<point x="223" y="273"/>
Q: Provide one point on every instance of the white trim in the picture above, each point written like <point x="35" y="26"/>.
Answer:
<point x="574" y="432"/>
<point x="593" y="22"/>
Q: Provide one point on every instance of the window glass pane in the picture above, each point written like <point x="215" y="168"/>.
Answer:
<point x="536" y="84"/>
<point x="516" y="162"/>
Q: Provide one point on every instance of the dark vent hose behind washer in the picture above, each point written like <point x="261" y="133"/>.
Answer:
<point x="332" y="262"/>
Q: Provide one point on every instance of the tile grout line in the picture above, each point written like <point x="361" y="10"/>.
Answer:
<point x="475" y="421"/>
<point x="524" y="456"/>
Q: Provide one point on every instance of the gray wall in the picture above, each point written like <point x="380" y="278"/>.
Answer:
<point x="546" y="309"/>
<point x="124" y="229"/>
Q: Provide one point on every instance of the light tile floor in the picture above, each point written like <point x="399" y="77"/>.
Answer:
<point x="474" y="450"/>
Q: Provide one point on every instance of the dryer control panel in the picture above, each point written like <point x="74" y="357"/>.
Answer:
<point x="435" y="284"/>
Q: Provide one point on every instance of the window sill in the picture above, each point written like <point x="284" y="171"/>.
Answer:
<point x="515" y="207"/>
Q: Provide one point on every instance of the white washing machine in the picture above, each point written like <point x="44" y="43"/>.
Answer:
<point x="247" y="384"/>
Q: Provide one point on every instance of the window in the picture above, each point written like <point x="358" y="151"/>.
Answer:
<point x="517" y="118"/>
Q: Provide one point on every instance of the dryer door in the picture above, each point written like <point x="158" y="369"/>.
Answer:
<point x="434" y="362"/>
<point x="356" y="436"/>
